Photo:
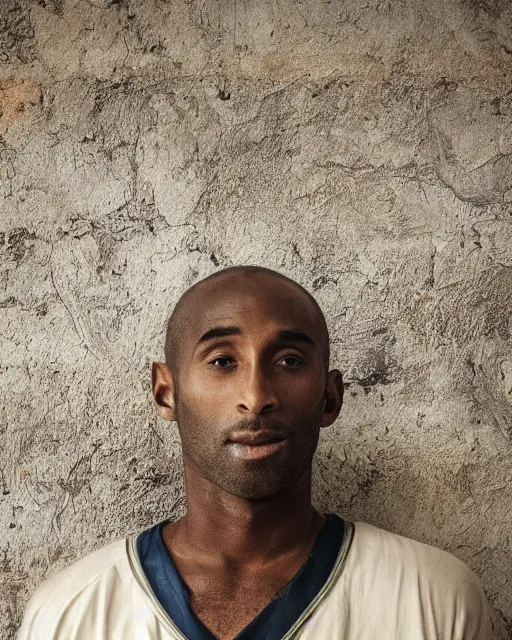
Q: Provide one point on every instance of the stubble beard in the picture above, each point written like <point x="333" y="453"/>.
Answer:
<point x="254" y="479"/>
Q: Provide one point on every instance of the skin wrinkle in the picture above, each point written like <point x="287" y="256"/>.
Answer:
<point x="246" y="353"/>
<point x="178" y="319"/>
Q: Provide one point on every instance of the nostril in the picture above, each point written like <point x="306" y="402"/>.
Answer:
<point x="266" y="408"/>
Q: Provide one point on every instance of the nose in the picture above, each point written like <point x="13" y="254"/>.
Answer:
<point x="257" y="394"/>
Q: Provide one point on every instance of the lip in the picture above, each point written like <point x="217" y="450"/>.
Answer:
<point x="256" y="445"/>
<point x="255" y="451"/>
<point x="255" y="438"/>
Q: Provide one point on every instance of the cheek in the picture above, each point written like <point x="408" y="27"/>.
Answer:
<point x="205" y="395"/>
<point x="204" y="385"/>
<point x="301" y="391"/>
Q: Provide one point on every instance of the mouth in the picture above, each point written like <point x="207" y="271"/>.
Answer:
<point x="255" y="445"/>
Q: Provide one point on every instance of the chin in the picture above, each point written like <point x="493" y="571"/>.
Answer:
<point x="259" y="480"/>
<point x="256" y="489"/>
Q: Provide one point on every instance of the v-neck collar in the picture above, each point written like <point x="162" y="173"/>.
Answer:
<point x="157" y="574"/>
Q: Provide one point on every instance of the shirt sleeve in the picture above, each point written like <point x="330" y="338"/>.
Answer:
<point x="475" y="611"/>
<point x="29" y="628"/>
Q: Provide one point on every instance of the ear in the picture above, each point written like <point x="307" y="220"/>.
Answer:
<point x="163" y="391"/>
<point x="333" y="398"/>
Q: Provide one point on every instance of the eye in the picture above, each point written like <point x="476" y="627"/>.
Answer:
<point x="223" y="363"/>
<point x="291" y="362"/>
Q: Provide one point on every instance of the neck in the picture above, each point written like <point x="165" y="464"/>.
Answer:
<point x="227" y="527"/>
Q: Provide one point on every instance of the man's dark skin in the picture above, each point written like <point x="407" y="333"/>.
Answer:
<point x="250" y="524"/>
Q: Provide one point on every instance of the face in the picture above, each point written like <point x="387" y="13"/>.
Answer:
<point x="251" y="394"/>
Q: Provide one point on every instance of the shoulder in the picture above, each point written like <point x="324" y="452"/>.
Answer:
<point x="431" y="579"/>
<point x="76" y="588"/>
<point x="83" y="573"/>
<point x="381" y="547"/>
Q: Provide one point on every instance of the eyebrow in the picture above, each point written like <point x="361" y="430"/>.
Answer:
<point x="295" y="335"/>
<point x="285" y="335"/>
<point x="219" y="332"/>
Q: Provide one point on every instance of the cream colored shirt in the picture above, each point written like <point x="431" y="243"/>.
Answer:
<point x="382" y="587"/>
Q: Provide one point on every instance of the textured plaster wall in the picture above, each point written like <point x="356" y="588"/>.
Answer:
<point x="362" y="147"/>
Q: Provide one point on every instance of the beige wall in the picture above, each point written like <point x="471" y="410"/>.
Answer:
<point x="362" y="147"/>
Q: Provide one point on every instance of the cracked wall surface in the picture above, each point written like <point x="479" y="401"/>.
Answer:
<point x="363" y="148"/>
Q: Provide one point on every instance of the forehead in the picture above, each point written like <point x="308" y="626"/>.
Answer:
<point x="251" y="302"/>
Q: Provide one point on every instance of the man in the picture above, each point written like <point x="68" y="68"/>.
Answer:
<point x="247" y="380"/>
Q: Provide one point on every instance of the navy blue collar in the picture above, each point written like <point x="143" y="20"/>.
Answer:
<point x="276" y="618"/>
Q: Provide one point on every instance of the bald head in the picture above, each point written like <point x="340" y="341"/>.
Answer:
<point x="239" y="282"/>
